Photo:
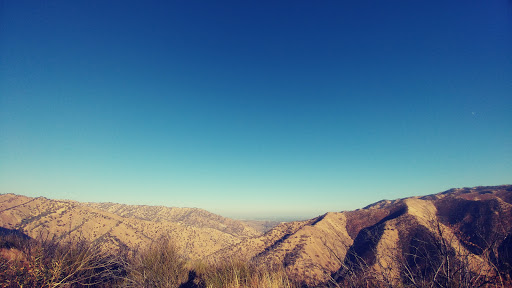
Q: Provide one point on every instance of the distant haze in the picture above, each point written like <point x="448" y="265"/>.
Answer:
<point x="259" y="109"/>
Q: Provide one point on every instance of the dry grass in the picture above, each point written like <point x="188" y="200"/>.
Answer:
<point x="160" y="265"/>
<point x="51" y="263"/>
<point x="243" y="274"/>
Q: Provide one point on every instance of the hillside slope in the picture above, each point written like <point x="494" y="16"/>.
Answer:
<point x="389" y="242"/>
<point x="472" y="221"/>
<point x="41" y="217"/>
<point x="194" y="217"/>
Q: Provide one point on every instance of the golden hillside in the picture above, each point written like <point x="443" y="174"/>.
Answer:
<point x="197" y="232"/>
<point x="388" y="243"/>
<point x="468" y="220"/>
<point x="194" y="217"/>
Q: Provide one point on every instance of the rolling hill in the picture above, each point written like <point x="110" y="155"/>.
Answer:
<point x="197" y="232"/>
<point x="460" y="233"/>
<point x="471" y="222"/>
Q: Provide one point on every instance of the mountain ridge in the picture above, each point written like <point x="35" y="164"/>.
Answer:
<point x="471" y="222"/>
<point x="40" y="217"/>
<point x="315" y="250"/>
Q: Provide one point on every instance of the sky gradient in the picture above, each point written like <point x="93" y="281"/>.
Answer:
<point x="254" y="109"/>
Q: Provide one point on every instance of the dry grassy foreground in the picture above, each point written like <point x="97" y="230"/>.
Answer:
<point x="49" y="263"/>
<point x="25" y="262"/>
<point x="457" y="238"/>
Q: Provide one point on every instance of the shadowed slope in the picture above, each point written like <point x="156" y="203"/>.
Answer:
<point x="458" y="235"/>
<point x="451" y="238"/>
<point x="470" y="220"/>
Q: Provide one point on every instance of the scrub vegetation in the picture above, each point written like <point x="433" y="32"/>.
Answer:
<point x="457" y="238"/>
<point x="25" y="262"/>
<point x="51" y="263"/>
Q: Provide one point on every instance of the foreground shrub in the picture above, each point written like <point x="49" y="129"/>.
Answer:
<point x="52" y="263"/>
<point x="159" y="265"/>
<point x="243" y="274"/>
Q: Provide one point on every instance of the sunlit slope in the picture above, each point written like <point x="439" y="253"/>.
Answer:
<point x="187" y="216"/>
<point x="471" y="222"/>
<point x="469" y="219"/>
<point x="41" y="217"/>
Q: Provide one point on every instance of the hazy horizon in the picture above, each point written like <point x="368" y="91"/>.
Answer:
<point x="282" y="109"/>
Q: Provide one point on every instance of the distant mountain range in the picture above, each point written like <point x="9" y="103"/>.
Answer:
<point x="474" y="224"/>
<point x="198" y="232"/>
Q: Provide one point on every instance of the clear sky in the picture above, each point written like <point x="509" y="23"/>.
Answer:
<point x="254" y="108"/>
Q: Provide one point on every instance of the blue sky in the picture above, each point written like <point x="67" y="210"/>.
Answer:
<point x="254" y="108"/>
